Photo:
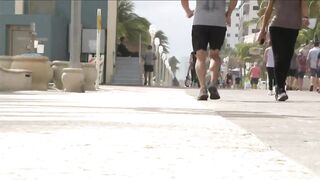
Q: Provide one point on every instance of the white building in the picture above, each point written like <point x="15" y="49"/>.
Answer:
<point x="248" y="18"/>
<point x="232" y="34"/>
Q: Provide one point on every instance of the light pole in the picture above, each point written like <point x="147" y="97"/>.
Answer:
<point x="156" y="44"/>
<point x="75" y="32"/>
<point x="152" y="31"/>
<point x="164" y="57"/>
<point x="160" y="64"/>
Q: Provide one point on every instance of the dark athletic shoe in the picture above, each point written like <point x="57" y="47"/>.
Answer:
<point x="213" y="92"/>
<point x="203" y="95"/>
<point x="311" y="88"/>
<point x="281" y="95"/>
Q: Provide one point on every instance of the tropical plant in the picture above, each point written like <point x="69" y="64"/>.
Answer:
<point x="163" y="41"/>
<point x="130" y="25"/>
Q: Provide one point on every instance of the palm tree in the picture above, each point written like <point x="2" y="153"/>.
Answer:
<point x="130" y="24"/>
<point x="163" y="41"/>
<point x="173" y="62"/>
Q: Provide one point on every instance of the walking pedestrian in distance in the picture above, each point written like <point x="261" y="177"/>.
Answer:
<point x="209" y="27"/>
<point x="255" y="73"/>
<point x="149" y="58"/>
<point x="291" y="76"/>
<point x="283" y="34"/>
<point x="302" y="68"/>
<point x="269" y="61"/>
<point x="312" y="59"/>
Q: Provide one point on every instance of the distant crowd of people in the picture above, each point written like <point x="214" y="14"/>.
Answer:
<point x="301" y="64"/>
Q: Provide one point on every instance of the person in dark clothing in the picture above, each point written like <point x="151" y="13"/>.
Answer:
<point x="122" y="49"/>
<point x="283" y="34"/>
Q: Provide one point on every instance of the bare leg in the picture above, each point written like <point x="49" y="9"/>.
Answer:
<point x="215" y="63"/>
<point x="201" y="67"/>
<point x="300" y="82"/>
<point x="312" y="82"/>
<point x="214" y="68"/>
<point x="145" y="78"/>
<point x="149" y="78"/>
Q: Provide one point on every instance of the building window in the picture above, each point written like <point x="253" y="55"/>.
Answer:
<point x="237" y="25"/>
<point x="246" y="9"/>
<point x="255" y="30"/>
<point x="255" y="8"/>
<point x="236" y="35"/>
<point x="237" y="14"/>
<point x="41" y="7"/>
<point x="228" y="45"/>
<point x="228" y="35"/>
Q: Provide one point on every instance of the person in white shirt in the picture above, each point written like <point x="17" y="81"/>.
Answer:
<point x="269" y="61"/>
<point x="312" y="59"/>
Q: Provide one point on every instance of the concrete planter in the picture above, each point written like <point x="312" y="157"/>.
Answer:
<point x="90" y="76"/>
<point x="73" y="80"/>
<point x="57" y="67"/>
<point x="15" y="79"/>
<point x="40" y="68"/>
<point x="5" y="61"/>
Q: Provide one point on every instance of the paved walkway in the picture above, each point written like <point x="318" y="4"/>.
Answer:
<point x="130" y="133"/>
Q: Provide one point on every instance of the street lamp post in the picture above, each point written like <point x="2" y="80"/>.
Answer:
<point x="152" y="31"/>
<point x="163" y="57"/>
<point x="156" y="44"/>
<point x="160" y="65"/>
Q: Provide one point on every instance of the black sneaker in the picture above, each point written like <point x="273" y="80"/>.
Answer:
<point x="213" y="92"/>
<point x="311" y="88"/>
<point x="203" y="95"/>
<point x="281" y="95"/>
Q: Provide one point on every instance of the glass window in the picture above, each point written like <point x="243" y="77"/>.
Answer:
<point x="256" y="8"/>
<point x="255" y="30"/>
<point x="246" y="9"/>
<point x="42" y="7"/>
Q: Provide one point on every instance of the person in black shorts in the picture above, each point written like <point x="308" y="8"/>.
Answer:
<point x="149" y="58"/>
<point x="209" y="28"/>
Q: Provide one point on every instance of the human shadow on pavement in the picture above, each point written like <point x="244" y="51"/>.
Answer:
<point x="255" y="115"/>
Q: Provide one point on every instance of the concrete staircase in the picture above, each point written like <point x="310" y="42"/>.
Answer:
<point x="128" y="71"/>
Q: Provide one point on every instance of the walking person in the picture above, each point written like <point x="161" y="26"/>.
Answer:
<point x="312" y="66"/>
<point x="254" y="73"/>
<point x="149" y="58"/>
<point x="291" y="76"/>
<point x="302" y="68"/>
<point x="283" y="34"/>
<point x="318" y="71"/>
<point x="209" y="27"/>
<point x="269" y="61"/>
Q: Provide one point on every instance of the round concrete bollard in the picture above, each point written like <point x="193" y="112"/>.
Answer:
<point x="40" y="68"/>
<point x="90" y="76"/>
<point x="58" y="67"/>
<point x="73" y="80"/>
<point x="5" y="61"/>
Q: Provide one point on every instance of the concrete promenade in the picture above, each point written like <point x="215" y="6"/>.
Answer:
<point x="138" y="133"/>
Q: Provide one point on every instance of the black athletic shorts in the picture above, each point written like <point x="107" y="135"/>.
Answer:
<point x="148" y="68"/>
<point x="204" y="35"/>
<point x="292" y="72"/>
